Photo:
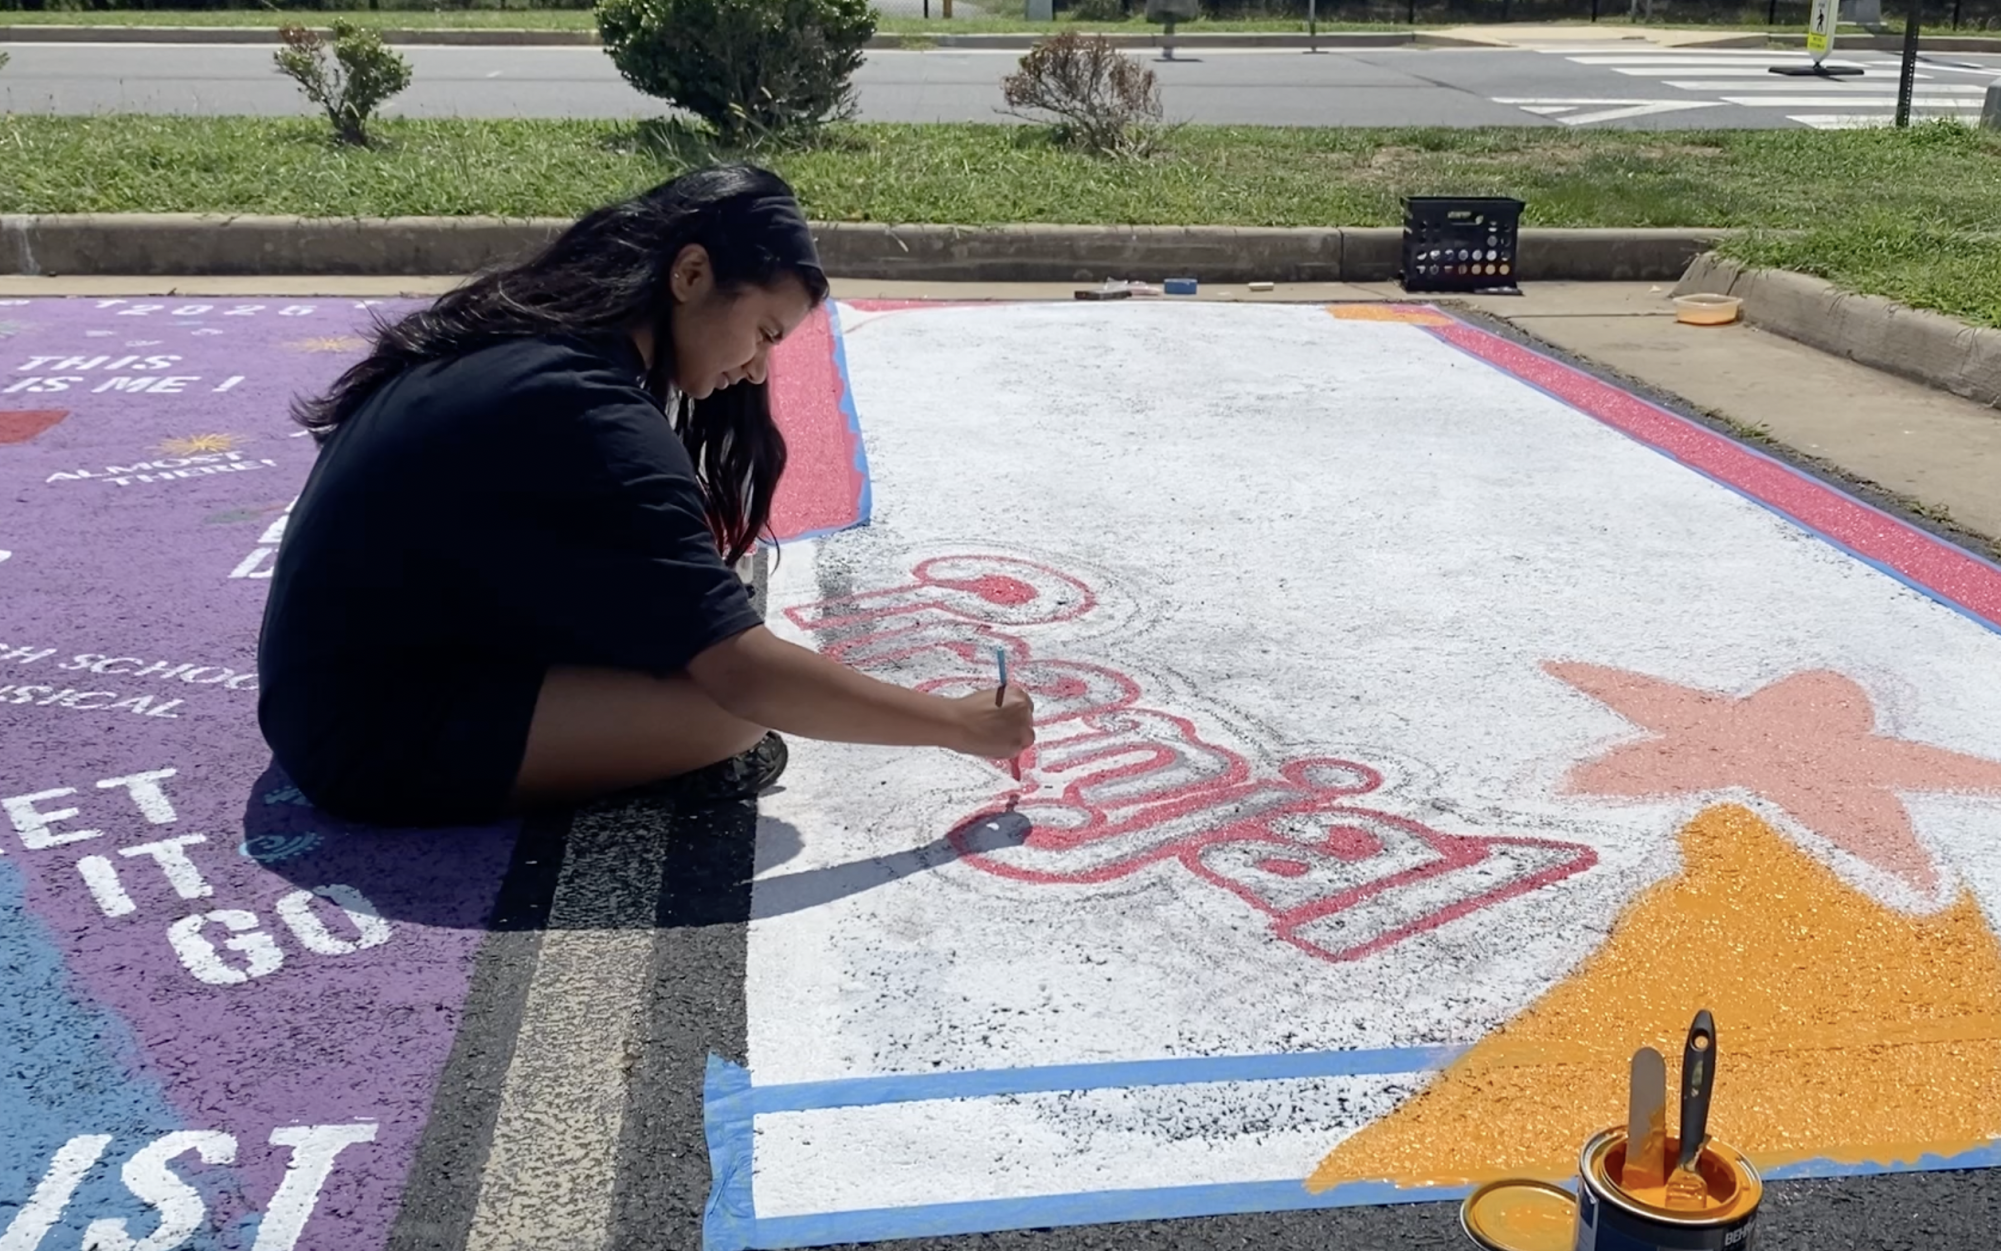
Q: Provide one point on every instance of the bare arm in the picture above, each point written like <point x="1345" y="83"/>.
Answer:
<point x="767" y="681"/>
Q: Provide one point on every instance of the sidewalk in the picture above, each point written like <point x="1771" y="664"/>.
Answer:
<point x="1901" y="445"/>
<point x="1521" y="36"/>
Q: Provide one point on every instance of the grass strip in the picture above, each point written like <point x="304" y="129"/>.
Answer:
<point x="1906" y="214"/>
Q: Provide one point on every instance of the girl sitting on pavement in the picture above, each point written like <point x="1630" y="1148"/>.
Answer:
<point x="509" y="580"/>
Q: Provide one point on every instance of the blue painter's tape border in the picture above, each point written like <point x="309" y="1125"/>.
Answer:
<point x="729" y="1222"/>
<point x="865" y="504"/>
<point x="1932" y="593"/>
<point x="861" y="1092"/>
<point x="865" y="498"/>
<point x="1988" y="1156"/>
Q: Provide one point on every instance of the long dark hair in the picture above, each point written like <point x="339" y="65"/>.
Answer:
<point x="609" y="271"/>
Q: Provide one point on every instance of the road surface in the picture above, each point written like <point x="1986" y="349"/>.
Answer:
<point x="1624" y="87"/>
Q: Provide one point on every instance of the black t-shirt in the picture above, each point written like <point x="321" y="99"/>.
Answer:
<point x="519" y="507"/>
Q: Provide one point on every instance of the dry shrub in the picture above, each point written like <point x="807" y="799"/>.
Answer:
<point x="1096" y="97"/>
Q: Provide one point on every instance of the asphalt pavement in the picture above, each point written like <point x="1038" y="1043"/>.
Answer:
<point x="1616" y="85"/>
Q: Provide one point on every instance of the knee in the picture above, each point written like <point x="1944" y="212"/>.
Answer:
<point x="747" y="737"/>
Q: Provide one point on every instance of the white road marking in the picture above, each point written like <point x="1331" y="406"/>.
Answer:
<point x="1861" y="89"/>
<point x="1607" y="111"/>
<point x="1710" y="71"/>
<point x="1745" y="63"/>
<point x="1807" y="102"/>
<point x="1742" y="76"/>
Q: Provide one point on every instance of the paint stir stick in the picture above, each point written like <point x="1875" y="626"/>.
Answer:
<point x="1000" y="658"/>
<point x="1646" y="1123"/>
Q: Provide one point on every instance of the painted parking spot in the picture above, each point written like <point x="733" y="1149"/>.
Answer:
<point x="1425" y="725"/>
<point x="225" y="1015"/>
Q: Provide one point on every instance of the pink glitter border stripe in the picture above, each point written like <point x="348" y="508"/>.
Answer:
<point x="1898" y="547"/>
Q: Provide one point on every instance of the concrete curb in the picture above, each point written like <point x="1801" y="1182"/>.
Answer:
<point x="145" y="244"/>
<point x="1867" y="329"/>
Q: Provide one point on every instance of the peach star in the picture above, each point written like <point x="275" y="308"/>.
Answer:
<point x="1806" y="743"/>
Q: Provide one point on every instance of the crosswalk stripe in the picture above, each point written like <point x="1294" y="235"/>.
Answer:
<point x="1719" y="71"/>
<point x="1599" y="100"/>
<point x="1861" y="91"/>
<point x="1744" y="63"/>
<point x="1841" y="121"/>
<point x="1807" y="102"/>
<point x="1665" y="53"/>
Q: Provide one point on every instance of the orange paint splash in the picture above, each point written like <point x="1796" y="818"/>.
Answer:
<point x="1845" y="1030"/>
<point x="1405" y="314"/>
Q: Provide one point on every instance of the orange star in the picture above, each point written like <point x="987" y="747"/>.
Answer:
<point x="1806" y="743"/>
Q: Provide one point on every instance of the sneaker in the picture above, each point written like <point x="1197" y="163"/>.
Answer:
<point x="743" y="776"/>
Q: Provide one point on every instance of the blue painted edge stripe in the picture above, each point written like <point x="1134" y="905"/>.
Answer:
<point x="865" y="505"/>
<point x="1988" y="1156"/>
<point x="1932" y="593"/>
<point x="856" y="1092"/>
<point x="729" y="1222"/>
<point x="865" y="499"/>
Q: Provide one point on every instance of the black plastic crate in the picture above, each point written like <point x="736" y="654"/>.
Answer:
<point x="1456" y="243"/>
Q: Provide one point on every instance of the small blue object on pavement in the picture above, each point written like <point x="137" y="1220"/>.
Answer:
<point x="1179" y="286"/>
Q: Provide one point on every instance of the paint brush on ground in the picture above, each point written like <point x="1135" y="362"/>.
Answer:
<point x="1686" y="1189"/>
<point x="1646" y="1123"/>
<point x="1000" y="658"/>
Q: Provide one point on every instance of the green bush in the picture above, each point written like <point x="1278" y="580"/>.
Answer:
<point x="1098" y="11"/>
<point x="365" y="73"/>
<point x="749" y="68"/>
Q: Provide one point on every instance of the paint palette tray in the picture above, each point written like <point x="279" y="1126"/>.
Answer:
<point x="1453" y="243"/>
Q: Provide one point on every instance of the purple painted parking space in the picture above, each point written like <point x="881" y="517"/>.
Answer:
<point x="231" y="1011"/>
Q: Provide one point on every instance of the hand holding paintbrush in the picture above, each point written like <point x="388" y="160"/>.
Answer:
<point x="1000" y="697"/>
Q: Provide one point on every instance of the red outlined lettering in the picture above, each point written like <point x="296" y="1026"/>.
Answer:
<point x="1112" y="787"/>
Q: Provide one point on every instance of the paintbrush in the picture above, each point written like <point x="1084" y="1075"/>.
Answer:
<point x="1000" y="658"/>
<point x="1646" y="1123"/>
<point x="1686" y="1189"/>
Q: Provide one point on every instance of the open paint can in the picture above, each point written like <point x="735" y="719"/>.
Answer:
<point x="1525" y="1215"/>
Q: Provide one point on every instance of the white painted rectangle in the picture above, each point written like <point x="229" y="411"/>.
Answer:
<point x="1306" y="538"/>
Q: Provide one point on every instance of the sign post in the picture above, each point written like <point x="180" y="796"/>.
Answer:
<point x="1820" y="24"/>
<point x="1907" y="74"/>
